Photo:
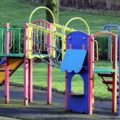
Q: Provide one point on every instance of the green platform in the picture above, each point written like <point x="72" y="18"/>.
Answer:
<point x="103" y="70"/>
<point x="12" y="55"/>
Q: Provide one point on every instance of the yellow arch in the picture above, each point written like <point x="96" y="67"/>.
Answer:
<point x="41" y="7"/>
<point x="77" y="18"/>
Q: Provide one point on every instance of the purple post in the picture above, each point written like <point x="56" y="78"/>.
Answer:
<point x="49" y="81"/>
<point x="7" y="91"/>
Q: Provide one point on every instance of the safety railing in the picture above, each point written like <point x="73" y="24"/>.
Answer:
<point x="11" y="42"/>
<point x="114" y="38"/>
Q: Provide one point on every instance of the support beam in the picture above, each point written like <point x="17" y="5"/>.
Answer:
<point x="49" y="81"/>
<point x="7" y="87"/>
<point x="90" y="76"/>
<point x="30" y="81"/>
<point x="26" y="67"/>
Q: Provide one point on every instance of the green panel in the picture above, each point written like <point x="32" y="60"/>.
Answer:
<point x="103" y="70"/>
<point x="16" y="42"/>
<point x="12" y="55"/>
<point x="15" y="55"/>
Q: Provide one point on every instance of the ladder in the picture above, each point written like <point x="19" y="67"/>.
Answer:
<point x="110" y="80"/>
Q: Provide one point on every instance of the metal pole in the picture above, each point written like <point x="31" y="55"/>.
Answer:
<point x="49" y="81"/>
<point x="25" y="68"/>
<point x="30" y="81"/>
<point x="7" y="91"/>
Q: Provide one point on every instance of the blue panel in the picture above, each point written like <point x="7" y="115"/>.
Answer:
<point x="2" y="61"/>
<point x="76" y="40"/>
<point x="78" y="103"/>
<point x="73" y="60"/>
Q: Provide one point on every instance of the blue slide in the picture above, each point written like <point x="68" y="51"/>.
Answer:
<point x="73" y="60"/>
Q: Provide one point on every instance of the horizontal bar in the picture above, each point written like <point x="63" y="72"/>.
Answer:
<point x="45" y="30"/>
<point x="62" y="27"/>
<point x="11" y="70"/>
<point x="40" y="55"/>
<point x="11" y="28"/>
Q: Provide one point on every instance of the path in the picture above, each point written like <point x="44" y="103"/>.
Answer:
<point x="40" y="111"/>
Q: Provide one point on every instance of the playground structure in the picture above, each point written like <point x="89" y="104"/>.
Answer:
<point x="80" y="46"/>
<point x="39" y="38"/>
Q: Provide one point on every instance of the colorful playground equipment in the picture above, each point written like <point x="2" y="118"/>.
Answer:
<point x="80" y="46"/>
<point x="38" y="39"/>
<point x="20" y="45"/>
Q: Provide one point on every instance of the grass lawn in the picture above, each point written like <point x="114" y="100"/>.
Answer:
<point x="40" y="79"/>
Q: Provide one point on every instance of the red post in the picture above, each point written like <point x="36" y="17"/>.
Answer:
<point x="114" y="87"/>
<point x="7" y="86"/>
<point x="66" y="92"/>
<point x="7" y="91"/>
<point x="90" y="75"/>
<point x="49" y="81"/>
<point x="26" y="67"/>
<point x="49" y="89"/>
<point x="30" y="81"/>
<point x="66" y="89"/>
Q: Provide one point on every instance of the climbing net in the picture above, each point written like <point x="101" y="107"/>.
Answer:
<point x="47" y="46"/>
<point x="50" y="60"/>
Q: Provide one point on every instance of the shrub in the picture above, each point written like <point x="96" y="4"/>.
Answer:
<point x="102" y="47"/>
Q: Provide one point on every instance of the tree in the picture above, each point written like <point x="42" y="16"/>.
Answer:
<point x="53" y="5"/>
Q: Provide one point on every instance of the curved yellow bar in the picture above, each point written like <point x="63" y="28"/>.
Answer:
<point x="41" y="7"/>
<point x="77" y="18"/>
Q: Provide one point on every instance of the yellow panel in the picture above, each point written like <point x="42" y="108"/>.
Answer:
<point x="13" y="65"/>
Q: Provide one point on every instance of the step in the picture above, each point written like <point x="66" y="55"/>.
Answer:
<point x="104" y="70"/>
<point x="77" y="95"/>
<point x="11" y="70"/>
<point x="108" y="82"/>
<point x="105" y="74"/>
<point x="110" y="89"/>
